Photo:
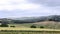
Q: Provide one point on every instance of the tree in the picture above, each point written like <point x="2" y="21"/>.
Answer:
<point x="33" y="26"/>
<point x="50" y="19"/>
<point x="41" y="26"/>
<point x="12" y="26"/>
<point x="4" y="25"/>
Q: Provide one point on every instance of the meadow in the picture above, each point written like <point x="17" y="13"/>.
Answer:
<point x="25" y="29"/>
<point x="6" y="30"/>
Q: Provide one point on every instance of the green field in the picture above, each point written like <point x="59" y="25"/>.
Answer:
<point x="6" y="30"/>
<point x="31" y="32"/>
<point x="25" y="29"/>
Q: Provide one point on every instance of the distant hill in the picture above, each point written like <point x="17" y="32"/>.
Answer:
<point x="55" y="18"/>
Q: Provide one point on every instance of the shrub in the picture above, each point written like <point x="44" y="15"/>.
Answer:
<point x="50" y="19"/>
<point x="4" y="25"/>
<point x="33" y="26"/>
<point x="41" y="26"/>
<point x="22" y="33"/>
<point x="12" y="26"/>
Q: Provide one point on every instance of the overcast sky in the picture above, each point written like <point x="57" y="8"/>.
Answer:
<point x="23" y="8"/>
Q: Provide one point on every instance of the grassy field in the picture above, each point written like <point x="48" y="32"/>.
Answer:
<point x="31" y="32"/>
<point x="22" y="25"/>
<point x="25" y="29"/>
<point x="8" y="30"/>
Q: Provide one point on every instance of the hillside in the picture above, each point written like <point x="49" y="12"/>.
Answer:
<point x="22" y="20"/>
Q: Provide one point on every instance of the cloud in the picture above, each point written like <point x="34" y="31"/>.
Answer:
<point x="51" y="3"/>
<point x="16" y="4"/>
<point x="19" y="8"/>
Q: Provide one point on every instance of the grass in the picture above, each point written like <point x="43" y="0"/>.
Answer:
<point x="30" y="32"/>
<point x="27" y="29"/>
<point x="6" y="30"/>
<point x="21" y="25"/>
<point x="24" y="29"/>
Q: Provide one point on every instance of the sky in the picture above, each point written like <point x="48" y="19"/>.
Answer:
<point x="29" y="8"/>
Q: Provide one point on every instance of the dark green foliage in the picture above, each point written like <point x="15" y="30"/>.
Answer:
<point x="22" y="33"/>
<point x="4" y="25"/>
<point x="33" y="26"/>
<point x="50" y="20"/>
<point x="12" y="26"/>
<point x="41" y="26"/>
